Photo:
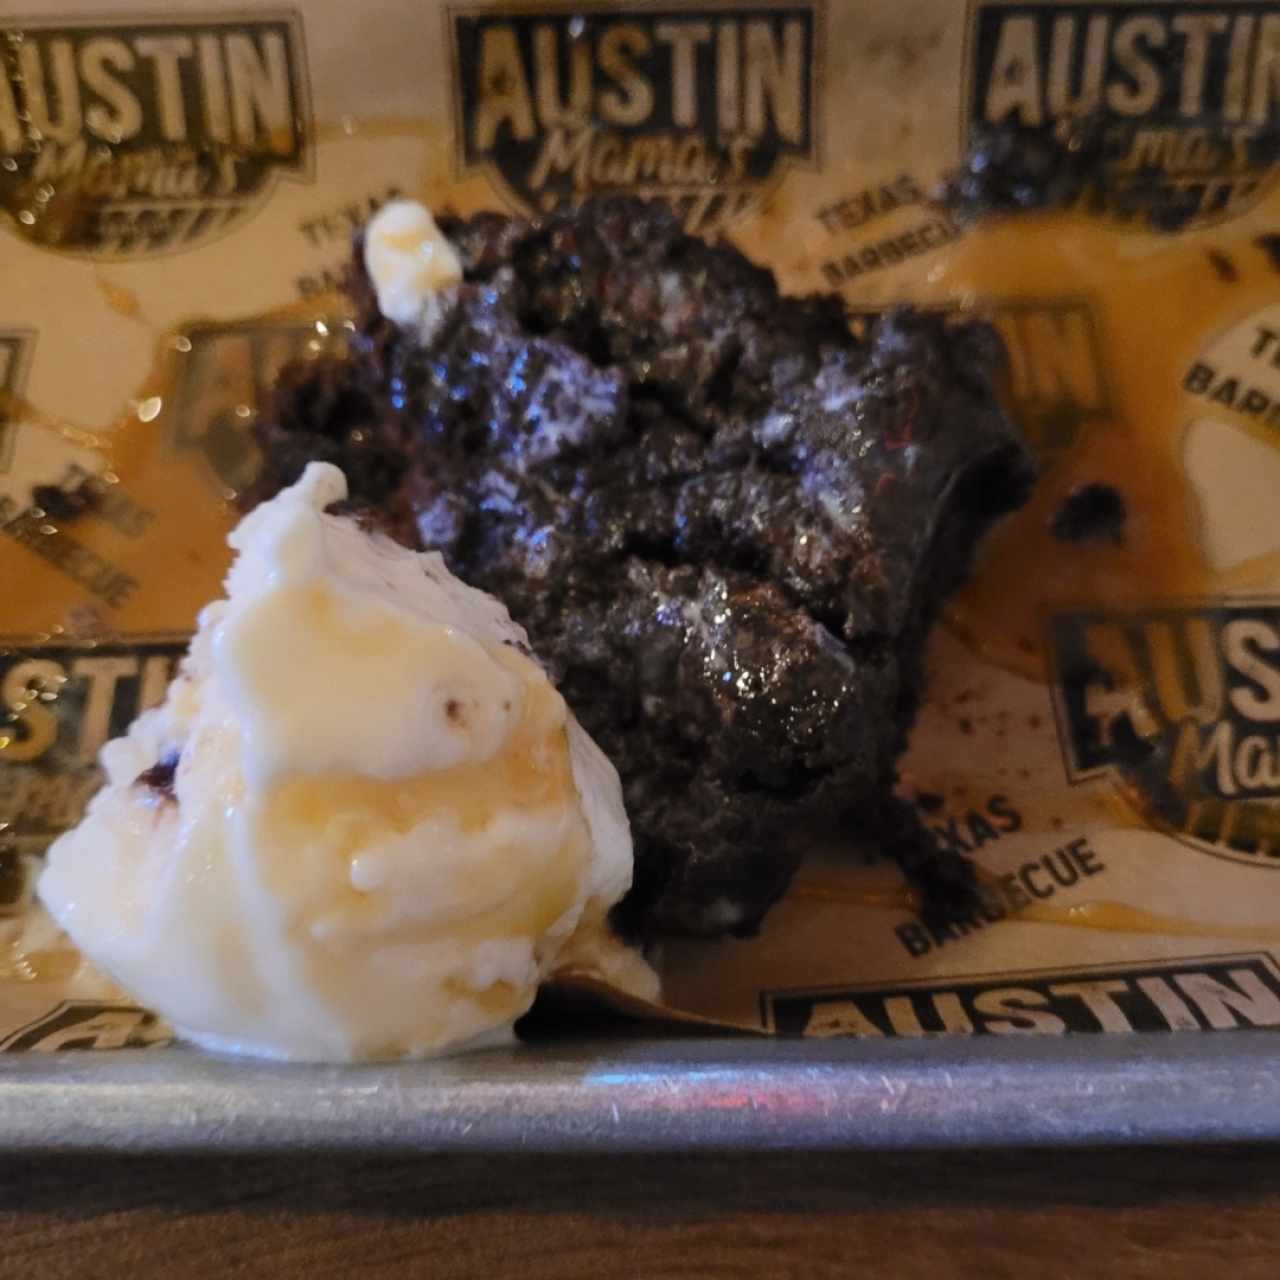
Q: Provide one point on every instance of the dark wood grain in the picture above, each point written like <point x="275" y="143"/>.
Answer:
<point x="1158" y="1214"/>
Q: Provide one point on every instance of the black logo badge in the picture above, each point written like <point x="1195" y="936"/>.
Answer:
<point x="58" y="705"/>
<point x="122" y="139"/>
<point x="89" y="1024"/>
<point x="1181" y="707"/>
<point x="1180" y="98"/>
<point x="15" y="357"/>
<point x="703" y="107"/>
<point x="1200" y="993"/>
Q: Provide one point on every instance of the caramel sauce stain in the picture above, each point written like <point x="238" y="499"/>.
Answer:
<point x="1139" y="309"/>
<point x="1100" y="915"/>
<point x="1023" y="573"/>
<point x="180" y="566"/>
<point x="124" y="302"/>
<point x="1120" y="917"/>
<point x="40" y="965"/>
<point x="888" y="899"/>
<point x="179" y="563"/>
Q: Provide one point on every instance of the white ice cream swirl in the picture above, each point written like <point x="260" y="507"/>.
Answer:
<point x="384" y="828"/>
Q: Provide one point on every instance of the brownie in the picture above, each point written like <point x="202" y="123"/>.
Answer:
<point x="726" y="522"/>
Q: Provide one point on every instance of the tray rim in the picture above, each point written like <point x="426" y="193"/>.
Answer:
<point x="668" y="1096"/>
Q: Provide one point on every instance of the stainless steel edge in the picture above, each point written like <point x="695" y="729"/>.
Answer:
<point x="666" y="1096"/>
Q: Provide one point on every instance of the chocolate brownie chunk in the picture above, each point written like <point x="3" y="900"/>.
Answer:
<point x="725" y="521"/>
<point x="160" y="777"/>
<point x="1011" y="169"/>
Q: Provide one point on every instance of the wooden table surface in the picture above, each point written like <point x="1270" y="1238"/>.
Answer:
<point x="1159" y="1214"/>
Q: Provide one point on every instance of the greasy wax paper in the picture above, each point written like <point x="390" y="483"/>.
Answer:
<point x="179" y="183"/>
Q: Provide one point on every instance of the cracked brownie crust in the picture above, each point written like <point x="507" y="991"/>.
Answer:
<point x="725" y="521"/>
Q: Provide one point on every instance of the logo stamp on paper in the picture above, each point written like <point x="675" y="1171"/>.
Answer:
<point x="1180" y="707"/>
<point x="15" y="359"/>
<point x="224" y="375"/>
<point x="1237" y="376"/>
<point x="1183" y="96"/>
<point x="89" y="1024"/>
<point x="1056" y="381"/>
<point x="705" y="107"/>
<point x="58" y="705"/>
<point x="127" y="138"/>
<point x="1197" y="993"/>
<point x="1231" y="441"/>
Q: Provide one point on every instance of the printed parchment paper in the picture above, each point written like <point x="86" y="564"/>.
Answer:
<point x="178" y="189"/>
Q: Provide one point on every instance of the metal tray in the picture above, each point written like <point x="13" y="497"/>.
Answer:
<point x="672" y="1095"/>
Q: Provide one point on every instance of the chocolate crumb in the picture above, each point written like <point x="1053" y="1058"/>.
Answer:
<point x="946" y="884"/>
<point x="63" y="504"/>
<point x="930" y="801"/>
<point x="160" y="777"/>
<point x="1222" y="265"/>
<point x="966" y="725"/>
<point x="86" y="622"/>
<point x="1131" y="748"/>
<point x="1076" y="678"/>
<point x="1091" y="513"/>
<point x="1011" y="170"/>
<point x="13" y="875"/>
<point x="1270" y="245"/>
<point x="453" y="711"/>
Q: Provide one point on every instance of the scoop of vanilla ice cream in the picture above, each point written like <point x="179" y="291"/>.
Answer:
<point x="363" y="824"/>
